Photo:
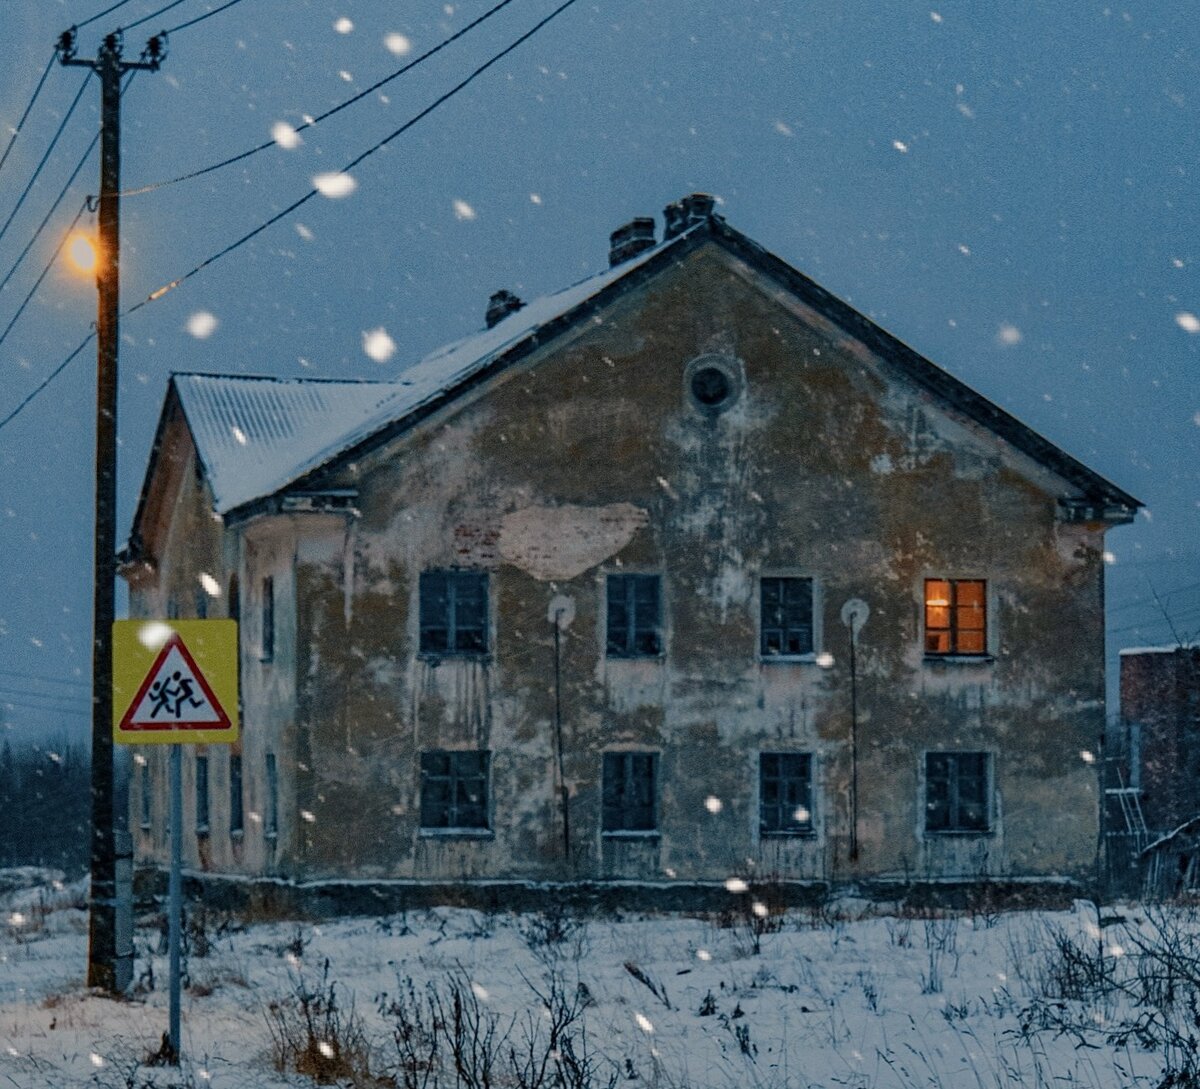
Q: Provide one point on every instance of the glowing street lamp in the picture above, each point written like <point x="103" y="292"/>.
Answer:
<point x="82" y="252"/>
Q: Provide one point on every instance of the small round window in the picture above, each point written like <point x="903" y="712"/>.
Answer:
<point x="713" y="382"/>
<point x="711" y="386"/>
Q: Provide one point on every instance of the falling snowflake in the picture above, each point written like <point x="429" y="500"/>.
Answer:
<point x="202" y="324"/>
<point x="535" y="198"/>
<point x="900" y="146"/>
<point x="825" y="659"/>
<point x="378" y="344"/>
<point x="1087" y="756"/>
<point x="304" y="232"/>
<point x="713" y="804"/>
<point x="736" y="884"/>
<point x="1110" y="557"/>
<point x="285" y="136"/>
<point x="783" y="128"/>
<point x="346" y="76"/>
<point x="1188" y="322"/>
<point x="644" y="1022"/>
<point x="479" y="991"/>
<point x="935" y="16"/>
<point x="343" y="25"/>
<point x="462" y="210"/>
<point x="1008" y="334"/>
<point x="397" y="44"/>
<point x="154" y="634"/>
<point x="334" y="185"/>
<point x="239" y="436"/>
<point x="325" y="1048"/>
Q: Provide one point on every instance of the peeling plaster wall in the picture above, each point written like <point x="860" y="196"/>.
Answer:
<point x="592" y="459"/>
<point x="188" y="541"/>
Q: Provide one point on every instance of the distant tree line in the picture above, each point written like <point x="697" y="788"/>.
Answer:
<point x="45" y="806"/>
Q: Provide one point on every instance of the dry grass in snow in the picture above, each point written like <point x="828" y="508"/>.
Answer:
<point x="843" y="998"/>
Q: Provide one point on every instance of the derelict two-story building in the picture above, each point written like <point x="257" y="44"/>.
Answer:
<point x="688" y="571"/>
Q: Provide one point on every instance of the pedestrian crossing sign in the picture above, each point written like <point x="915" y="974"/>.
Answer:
<point x="175" y="682"/>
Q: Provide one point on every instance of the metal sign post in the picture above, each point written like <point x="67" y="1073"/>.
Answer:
<point x="175" y="682"/>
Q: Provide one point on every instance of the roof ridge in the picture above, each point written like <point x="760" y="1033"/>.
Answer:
<point x="288" y="380"/>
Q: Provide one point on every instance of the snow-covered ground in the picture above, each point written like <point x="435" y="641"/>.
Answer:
<point x="846" y="997"/>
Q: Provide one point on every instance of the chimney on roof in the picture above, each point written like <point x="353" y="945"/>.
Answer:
<point x="630" y="239"/>
<point x="682" y="214"/>
<point x="500" y="305"/>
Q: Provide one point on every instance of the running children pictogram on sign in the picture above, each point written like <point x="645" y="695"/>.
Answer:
<point x="174" y="681"/>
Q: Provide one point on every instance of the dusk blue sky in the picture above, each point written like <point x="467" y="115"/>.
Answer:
<point x="1010" y="189"/>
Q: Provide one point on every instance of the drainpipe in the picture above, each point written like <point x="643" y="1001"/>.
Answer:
<point x="561" y="613"/>
<point x="854" y="616"/>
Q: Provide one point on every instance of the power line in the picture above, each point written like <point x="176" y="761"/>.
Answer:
<point x="48" y="379"/>
<point x="320" y="117"/>
<point x="153" y="15"/>
<point x="38" y="282"/>
<point x="41" y="677"/>
<point x="45" y="158"/>
<point x="1161" y="619"/>
<point x="46" y="219"/>
<point x="201" y="18"/>
<point x="67" y="699"/>
<point x="158" y="293"/>
<point x="20" y="124"/>
<point x="101" y="14"/>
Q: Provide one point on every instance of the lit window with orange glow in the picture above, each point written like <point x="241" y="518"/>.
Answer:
<point x="955" y="616"/>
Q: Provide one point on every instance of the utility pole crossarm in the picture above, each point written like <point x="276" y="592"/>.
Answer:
<point x="109" y="967"/>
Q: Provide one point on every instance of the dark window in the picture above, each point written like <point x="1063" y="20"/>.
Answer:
<point x="268" y="618"/>
<point x="454" y="789"/>
<point x="454" y="612"/>
<point x="145" y="793"/>
<point x="629" y="792"/>
<point x="201" y="794"/>
<point x="785" y="793"/>
<point x="272" y="824"/>
<point x="955" y="616"/>
<point x="237" y="819"/>
<point x="634" y="616"/>
<point x="787" y="616"/>
<point x="235" y="601"/>
<point x="956" y="792"/>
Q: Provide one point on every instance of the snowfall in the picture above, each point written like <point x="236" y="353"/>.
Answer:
<point x="849" y="995"/>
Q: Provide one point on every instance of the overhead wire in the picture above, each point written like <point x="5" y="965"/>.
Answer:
<point x="21" y="124"/>
<point x="157" y="294"/>
<point x="100" y="14"/>
<point x="38" y="282"/>
<point x="153" y="15"/>
<point x="160" y="292"/>
<point x="45" y="158"/>
<point x="46" y="219"/>
<point x="201" y="18"/>
<point x="212" y="167"/>
<point x="42" y="678"/>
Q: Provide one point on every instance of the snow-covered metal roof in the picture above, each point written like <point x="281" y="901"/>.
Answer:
<point x="255" y="436"/>
<point x="1170" y="648"/>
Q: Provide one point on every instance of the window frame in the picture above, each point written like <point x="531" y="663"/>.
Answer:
<point x="453" y="577"/>
<point x="955" y="823"/>
<point x="631" y="580"/>
<point x="454" y="777"/>
<point x="792" y="828"/>
<point x="146" y="815"/>
<point x="814" y="613"/>
<point x="953" y="630"/>
<point x="610" y="806"/>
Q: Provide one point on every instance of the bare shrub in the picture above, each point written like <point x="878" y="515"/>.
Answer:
<point x="444" y="1035"/>
<point x="313" y="1032"/>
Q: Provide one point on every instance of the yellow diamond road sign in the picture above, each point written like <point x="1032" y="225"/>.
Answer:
<point x="175" y="682"/>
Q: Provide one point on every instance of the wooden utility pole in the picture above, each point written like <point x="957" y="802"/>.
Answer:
<point x="106" y="968"/>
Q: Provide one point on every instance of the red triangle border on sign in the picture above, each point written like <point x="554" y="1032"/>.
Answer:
<point x="127" y="725"/>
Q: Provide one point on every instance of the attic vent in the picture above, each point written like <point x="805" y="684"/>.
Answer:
<point x="681" y="214"/>
<point x="500" y="305"/>
<point x="631" y="239"/>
